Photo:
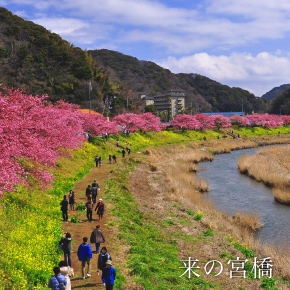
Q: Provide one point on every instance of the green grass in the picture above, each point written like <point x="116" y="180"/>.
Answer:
<point x="32" y="216"/>
<point x="153" y="256"/>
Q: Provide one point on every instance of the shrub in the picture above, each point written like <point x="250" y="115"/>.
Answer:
<point x="208" y="233"/>
<point x="80" y="207"/>
<point x="189" y="212"/>
<point x="198" y="216"/>
<point x="74" y="219"/>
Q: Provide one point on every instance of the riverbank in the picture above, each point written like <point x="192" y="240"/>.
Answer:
<point x="37" y="217"/>
<point x="270" y="166"/>
<point x="160" y="219"/>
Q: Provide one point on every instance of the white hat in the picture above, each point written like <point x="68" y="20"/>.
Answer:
<point x="100" y="199"/>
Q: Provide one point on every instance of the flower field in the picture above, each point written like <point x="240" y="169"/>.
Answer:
<point x="43" y="153"/>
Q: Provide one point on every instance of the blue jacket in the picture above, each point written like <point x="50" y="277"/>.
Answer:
<point x="85" y="252"/>
<point x="54" y="283"/>
<point x="109" y="275"/>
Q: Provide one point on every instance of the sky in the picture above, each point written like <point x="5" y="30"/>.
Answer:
<point x="243" y="43"/>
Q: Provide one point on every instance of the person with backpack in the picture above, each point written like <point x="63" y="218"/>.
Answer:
<point x="65" y="270"/>
<point x="65" y="245"/>
<point x="97" y="160"/>
<point x="85" y="255"/>
<point x="95" y="184"/>
<point x="88" y="192"/>
<point x="109" y="276"/>
<point x="58" y="281"/>
<point x="129" y="151"/>
<point x="97" y="237"/>
<point x="89" y="207"/>
<point x="115" y="158"/>
<point x="101" y="208"/>
<point x="103" y="258"/>
<point x="71" y="198"/>
<point x="64" y="208"/>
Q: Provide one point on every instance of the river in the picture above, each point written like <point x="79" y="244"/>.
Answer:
<point x="231" y="191"/>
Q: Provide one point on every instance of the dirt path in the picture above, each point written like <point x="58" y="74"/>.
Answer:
<point x="84" y="228"/>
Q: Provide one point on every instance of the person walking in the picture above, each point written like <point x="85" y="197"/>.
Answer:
<point x="117" y="143"/>
<point x="71" y="198"/>
<point x="64" y="208"/>
<point x="109" y="276"/>
<point x="95" y="184"/>
<point x="85" y="255"/>
<point x="97" y="160"/>
<point x="115" y="158"/>
<point x="65" y="270"/>
<point x="66" y="247"/>
<point x="110" y="158"/>
<point x="101" y="208"/>
<point x="103" y="258"/>
<point x="95" y="187"/>
<point x="58" y="281"/>
<point x="89" y="207"/>
<point x="97" y="237"/>
<point x="88" y="192"/>
<point x="100" y="161"/>
<point x="123" y="153"/>
<point x="129" y="151"/>
<point x="94" y="194"/>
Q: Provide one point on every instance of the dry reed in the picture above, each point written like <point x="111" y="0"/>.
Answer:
<point x="270" y="166"/>
<point x="247" y="220"/>
<point x="185" y="188"/>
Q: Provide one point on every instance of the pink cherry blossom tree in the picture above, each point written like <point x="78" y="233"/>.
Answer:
<point x="206" y="122"/>
<point x="186" y="122"/>
<point x="150" y="122"/>
<point x="239" y="120"/>
<point x="221" y="121"/>
<point x="129" y="121"/>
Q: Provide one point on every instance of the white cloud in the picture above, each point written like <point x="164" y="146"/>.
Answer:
<point x="258" y="73"/>
<point x="75" y="30"/>
<point x="178" y="30"/>
<point x="22" y="14"/>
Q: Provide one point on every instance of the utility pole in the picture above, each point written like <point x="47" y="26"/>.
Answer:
<point x="242" y="105"/>
<point x="127" y="104"/>
<point x="90" y="101"/>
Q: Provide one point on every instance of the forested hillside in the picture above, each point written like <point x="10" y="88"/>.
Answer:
<point x="41" y="62"/>
<point x="281" y="104"/>
<point x="204" y="94"/>
<point x="275" y="92"/>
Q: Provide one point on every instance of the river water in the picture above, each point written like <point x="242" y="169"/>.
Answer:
<point x="231" y="192"/>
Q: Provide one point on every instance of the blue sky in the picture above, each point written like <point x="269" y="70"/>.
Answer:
<point x="243" y="43"/>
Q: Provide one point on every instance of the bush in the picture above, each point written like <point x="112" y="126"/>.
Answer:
<point x="74" y="219"/>
<point x="198" y="216"/>
<point x="80" y="207"/>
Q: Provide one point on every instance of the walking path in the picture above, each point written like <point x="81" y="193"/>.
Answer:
<point x="84" y="228"/>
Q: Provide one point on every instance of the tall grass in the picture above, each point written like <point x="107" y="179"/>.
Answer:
<point x="270" y="166"/>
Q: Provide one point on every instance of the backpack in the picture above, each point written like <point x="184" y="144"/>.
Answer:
<point x="61" y="285"/>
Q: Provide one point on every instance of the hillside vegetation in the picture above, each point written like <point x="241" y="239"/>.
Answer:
<point x="41" y="62"/>
<point x="275" y="92"/>
<point x="146" y="77"/>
